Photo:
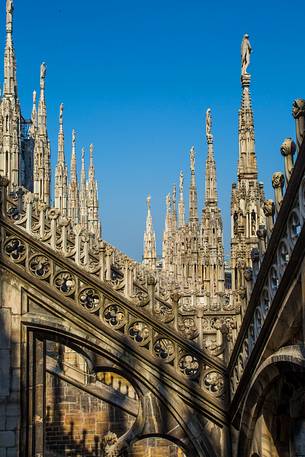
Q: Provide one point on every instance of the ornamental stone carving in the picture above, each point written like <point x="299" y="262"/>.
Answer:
<point x="15" y="249"/>
<point x="298" y="112"/>
<point x="109" y="445"/>
<point x="164" y="348"/>
<point x="189" y="365"/>
<point x="65" y="282"/>
<point x="39" y="265"/>
<point x="89" y="299"/>
<point x="213" y="382"/>
<point x="139" y="332"/>
<point x="278" y="185"/>
<point x="114" y="315"/>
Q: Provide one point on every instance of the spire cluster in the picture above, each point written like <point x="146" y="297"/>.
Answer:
<point x="25" y="149"/>
<point x="192" y="253"/>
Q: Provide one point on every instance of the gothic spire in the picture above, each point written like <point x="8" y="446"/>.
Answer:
<point x="83" y="194"/>
<point x="10" y="80"/>
<point x="210" y="174"/>
<point x="61" y="172"/>
<point x="73" y="170"/>
<point x="33" y="127"/>
<point x="174" y="208"/>
<point x="61" y="140"/>
<point x="42" y="165"/>
<point x="181" y="211"/>
<point x="149" y="257"/>
<point x="193" y="190"/>
<point x="247" y="159"/>
<point x="92" y="199"/>
<point x="73" y="202"/>
<point x="42" y="110"/>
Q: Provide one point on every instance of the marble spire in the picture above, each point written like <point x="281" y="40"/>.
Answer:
<point x="210" y="173"/>
<point x="61" y="171"/>
<point x="73" y="201"/>
<point x="181" y="210"/>
<point x="149" y="256"/>
<point x="42" y="165"/>
<point x="193" y="212"/>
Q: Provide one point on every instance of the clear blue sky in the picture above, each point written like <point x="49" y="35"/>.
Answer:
<point x="136" y="78"/>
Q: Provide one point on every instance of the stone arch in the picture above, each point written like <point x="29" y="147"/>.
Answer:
<point x="159" y="439"/>
<point x="191" y="429"/>
<point x="264" y="379"/>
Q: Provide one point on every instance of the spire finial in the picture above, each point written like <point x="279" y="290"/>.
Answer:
<point x="208" y="125"/>
<point x="43" y="70"/>
<point x="181" y="181"/>
<point x="61" y="115"/>
<point x="181" y="215"/>
<point x="34" y="97"/>
<point x="73" y="139"/>
<point x="245" y="54"/>
<point x="148" y="200"/>
<point x="9" y="16"/>
<point x="192" y="159"/>
<point x="91" y="154"/>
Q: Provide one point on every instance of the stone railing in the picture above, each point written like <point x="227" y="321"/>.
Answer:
<point x="134" y="281"/>
<point x="283" y="232"/>
<point x="36" y="257"/>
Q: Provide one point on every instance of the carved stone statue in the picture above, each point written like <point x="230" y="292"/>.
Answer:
<point x="43" y="70"/>
<point x="208" y="124"/>
<point x="192" y="159"/>
<point x="61" y="112"/>
<point x="181" y="181"/>
<point x="148" y="199"/>
<point x="109" y="445"/>
<point x="168" y="202"/>
<point x="245" y="54"/>
<point x="9" y="11"/>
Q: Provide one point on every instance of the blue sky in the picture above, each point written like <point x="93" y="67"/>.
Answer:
<point x="136" y="78"/>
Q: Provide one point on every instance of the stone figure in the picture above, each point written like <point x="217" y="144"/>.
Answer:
<point x="245" y="54"/>
<point x="192" y="158"/>
<point x="208" y="123"/>
<point x="148" y="199"/>
<point x="9" y="11"/>
<point x="109" y="445"/>
<point x="168" y="202"/>
<point x="43" y="70"/>
<point x="181" y="181"/>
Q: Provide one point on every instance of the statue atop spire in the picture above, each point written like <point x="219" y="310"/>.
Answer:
<point x="192" y="159"/>
<point x="245" y="54"/>
<point x="181" y="181"/>
<point x="208" y="126"/>
<point x="181" y="212"/>
<point x="43" y="71"/>
<point x="61" y="115"/>
<point x="149" y="255"/>
<point x="9" y="15"/>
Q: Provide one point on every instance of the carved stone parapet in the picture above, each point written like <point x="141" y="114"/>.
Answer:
<point x="298" y="112"/>
<point x="288" y="149"/>
<point x="278" y="185"/>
